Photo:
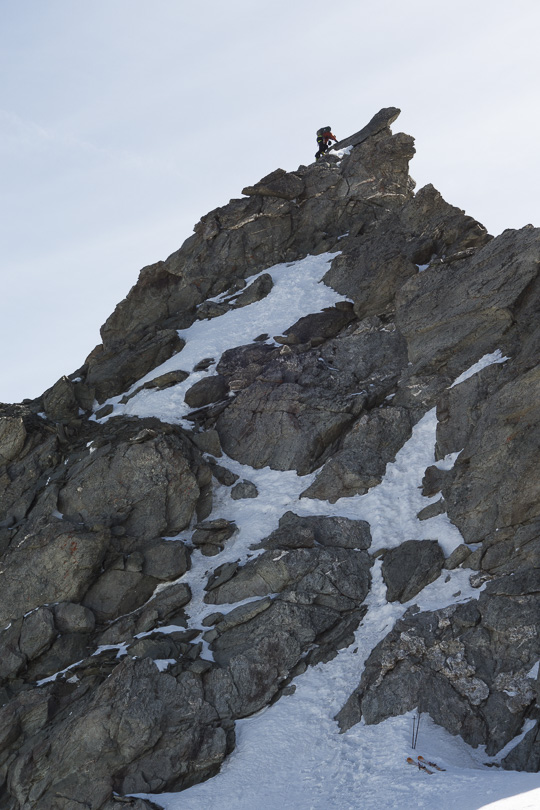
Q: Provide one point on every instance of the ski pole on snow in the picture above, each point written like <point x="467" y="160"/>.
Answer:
<point x="416" y="726"/>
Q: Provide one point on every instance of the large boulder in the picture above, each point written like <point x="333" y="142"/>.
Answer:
<point x="295" y="531"/>
<point x="301" y="403"/>
<point x="454" y="313"/>
<point x="408" y="568"/>
<point x="334" y="577"/>
<point x="365" y="450"/>
<point x="118" y="591"/>
<point x="142" y="730"/>
<point x="379" y="123"/>
<point x="209" y="389"/>
<point x="12" y="438"/>
<point x="277" y="184"/>
<point x="60" y="402"/>
<point x="146" y="486"/>
<point x="55" y="563"/>
<point x="497" y="483"/>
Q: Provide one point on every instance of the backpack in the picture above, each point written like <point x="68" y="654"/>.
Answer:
<point x="322" y="130"/>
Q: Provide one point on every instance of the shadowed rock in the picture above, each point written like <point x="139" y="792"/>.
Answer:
<point x="411" y="566"/>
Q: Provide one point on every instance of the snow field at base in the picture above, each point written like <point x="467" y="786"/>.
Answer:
<point x="291" y="755"/>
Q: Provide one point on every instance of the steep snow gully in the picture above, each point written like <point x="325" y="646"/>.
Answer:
<point x="286" y="515"/>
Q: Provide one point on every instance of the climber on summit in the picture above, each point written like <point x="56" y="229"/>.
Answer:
<point x="324" y="136"/>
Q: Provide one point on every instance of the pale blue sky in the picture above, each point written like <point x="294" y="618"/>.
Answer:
<point x="122" y="122"/>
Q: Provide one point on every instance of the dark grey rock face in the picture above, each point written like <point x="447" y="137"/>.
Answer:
<point x="56" y="563"/>
<point x="526" y="754"/>
<point x="146" y="486"/>
<point x="301" y="403"/>
<point x="112" y="369"/>
<point x="466" y="666"/>
<point x="306" y="532"/>
<point x="166" y="560"/>
<point x="365" y="450"/>
<point x="207" y="390"/>
<point x="118" y="591"/>
<point x="150" y="751"/>
<point x="411" y="566"/>
<point x="277" y="571"/>
<point x="504" y="438"/>
<point x="453" y="322"/>
<point x="12" y="438"/>
<point x="100" y="521"/>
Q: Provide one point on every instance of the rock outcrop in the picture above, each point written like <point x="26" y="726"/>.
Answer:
<point x="123" y="668"/>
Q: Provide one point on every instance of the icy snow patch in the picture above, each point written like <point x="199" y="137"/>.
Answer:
<point x="534" y="671"/>
<point x="486" y="360"/>
<point x="448" y="461"/>
<point x="164" y="663"/>
<point x="166" y="630"/>
<point x="57" y="674"/>
<point x="391" y="508"/>
<point x="122" y="649"/>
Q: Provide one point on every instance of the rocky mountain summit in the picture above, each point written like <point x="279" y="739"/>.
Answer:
<point x="178" y="530"/>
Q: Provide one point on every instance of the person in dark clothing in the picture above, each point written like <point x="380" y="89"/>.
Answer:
<point x="324" y="136"/>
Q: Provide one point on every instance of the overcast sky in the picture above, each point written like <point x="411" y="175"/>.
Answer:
<point x="122" y="122"/>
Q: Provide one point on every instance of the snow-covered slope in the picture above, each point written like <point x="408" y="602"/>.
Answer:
<point x="292" y="755"/>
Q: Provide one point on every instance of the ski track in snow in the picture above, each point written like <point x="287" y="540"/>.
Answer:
<point x="291" y="756"/>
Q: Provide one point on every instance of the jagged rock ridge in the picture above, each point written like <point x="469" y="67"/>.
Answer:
<point x="86" y="505"/>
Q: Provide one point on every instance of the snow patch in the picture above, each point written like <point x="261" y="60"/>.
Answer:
<point x="391" y="508"/>
<point x="448" y="461"/>
<point x="121" y="648"/>
<point x="57" y="674"/>
<point x="486" y="360"/>
<point x="534" y="671"/>
<point x="166" y="630"/>
<point x="164" y="663"/>
<point x="298" y="291"/>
